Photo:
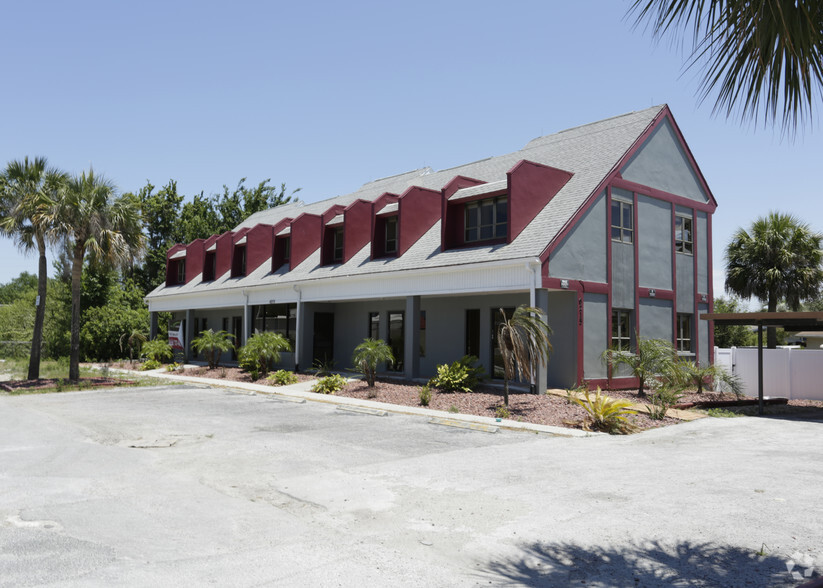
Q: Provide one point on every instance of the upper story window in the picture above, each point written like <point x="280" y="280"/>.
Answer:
<point x="391" y="234"/>
<point x="684" y="333"/>
<point x="210" y="266"/>
<point x="181" y="271"/>
<point x="238" y="266"/>
<point x="622" y="221"/>
<point x="683" y="236"/>
<point x="621" y="329"/>
<point x="487" y="219"/>
<point x="287" y="249"/>
<point x="337" y="251"/>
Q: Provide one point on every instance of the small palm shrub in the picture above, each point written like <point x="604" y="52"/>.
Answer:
<point x="370" y="353"/>
<point x="157" y="350"/>
<point x="213" y="345"/>
<point x="261" y="350"/>
<point x="150" y="364"/>
<point x="651" y="359"/>
<point x="283" y="378"/>
<point x="696" y="375"/>
<point x="606" y="414"/>
<point x="462" y="375"/>
<point x="502" y="412"/>
<point x="322" y="367"/>
<point x="425" y="395"/>
<point x="330" y="384"/>
<point x="132" y="341"/>
<point x="662" y="399"/>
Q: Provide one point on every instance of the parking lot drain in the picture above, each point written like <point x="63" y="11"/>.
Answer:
<point x="463" y="425"/>
<point x="363" y="410"/>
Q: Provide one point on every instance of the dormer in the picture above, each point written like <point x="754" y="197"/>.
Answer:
<point x="417" y="211"/>
<point x="357" y="227"/>
<point x="384" y="229"/>
<point x="475" y="214"/>
<point x="239" y="253"/>
<point x="531" y="187"/>
<point x="176" y="265"/>
<point x="259" y="242"/>
<point x="331" y="243"/>
<point x="210" y="259"/>
<point x="305" y="232"/>
<point x="281" y="250"/>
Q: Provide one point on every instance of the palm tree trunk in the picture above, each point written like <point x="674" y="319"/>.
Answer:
<point x="76" y="289"/>
<point x="506" y="392"/>
<point x="40" y="313"/>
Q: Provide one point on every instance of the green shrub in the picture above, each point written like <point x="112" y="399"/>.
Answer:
<point x="330" y="384"/>
<point x="461" y="375"/>
<point x="722" y="413"/>
<point x="370" y="353"/>
<point x="283" y="378"/>
<point x="502" y="412"/>
<point x="454" y="409"/>
<point x="425" y="395"/>
<point x="606" y="414"/>
<point x="212" y="345"/>
<point x="150" y="364"/>
<point x="662" y="399"/>
<point x="103" y="326"/>
<point x="322" y="367"/>
<point x="157" y="350"/>
<point x="261" y="350"/>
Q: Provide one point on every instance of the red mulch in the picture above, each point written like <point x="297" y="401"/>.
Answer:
<point x="43" y="384"/>
<point x="234" y="374"/>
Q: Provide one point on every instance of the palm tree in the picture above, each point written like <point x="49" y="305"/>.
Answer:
<point x="368" y="354"/>
<point x="650" y="360"/>
<point x="28" y="191"/>
<point x="524" y="343"/>
<point x="94" y="220"/>
<point x="757" y="55"/>
<point x="213" y="344"/>
<point x="261" y="350"/>
<point x="778" y="258"/>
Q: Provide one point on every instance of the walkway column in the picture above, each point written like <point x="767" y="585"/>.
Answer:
<point x="542" y="302"/>
<point x="298" y="335"/>
<point x="189" y="334"/>
<point x="411" y="342"/>
<point x="246" y="323"/>
<point x="152" y="326"/>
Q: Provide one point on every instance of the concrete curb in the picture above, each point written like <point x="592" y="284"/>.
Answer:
<point x="303" y="390"/>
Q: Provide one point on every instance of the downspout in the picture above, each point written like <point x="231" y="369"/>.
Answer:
<point x="534" y="266"/>
<point x="297" y="326"/>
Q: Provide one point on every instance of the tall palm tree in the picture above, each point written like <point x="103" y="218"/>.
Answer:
<point x="778" y="258"/>
<point x="95" y="221"/>
<point x="761" y="56"/>
<point x="28" y="191"/>
<point x="524" y="344"/>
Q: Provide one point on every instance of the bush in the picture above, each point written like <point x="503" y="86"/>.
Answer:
<point x="213" y="345"/>
<point x="104" y="325"/>
<point x="283" y="378"/>
<point x="261" y="350"/>
<point x="370" y="353"/>
<point x="157" y="350"/>
<point x="606" y="414"/>
<point x="425" y="395"/>
<point x="330" y="384"/>
<point x="502" y="412"/>
<point x="461" y="375"/>
<point x="662" y="400"/>
<point x="150" y="364"/>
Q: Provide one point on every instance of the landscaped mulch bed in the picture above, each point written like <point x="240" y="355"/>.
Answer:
<point x="484" y="401"/>
<point x="55" y="384"/>
<point x="234" y="374"/>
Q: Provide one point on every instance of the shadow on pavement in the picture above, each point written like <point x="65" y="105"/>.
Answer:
<point x="652" y="563"/>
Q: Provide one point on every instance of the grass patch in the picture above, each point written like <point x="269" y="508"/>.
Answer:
<point x="722" y="413"/>
<point x="54" y="378"/>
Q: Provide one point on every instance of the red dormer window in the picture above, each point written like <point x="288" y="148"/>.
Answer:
<point x="210" y="266"/>
<point x="391" y="235"/>
<point x="238" y="263"/>
<point x="486" y="219"/>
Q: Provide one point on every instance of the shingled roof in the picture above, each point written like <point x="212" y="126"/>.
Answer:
<point x="590" y="152"/>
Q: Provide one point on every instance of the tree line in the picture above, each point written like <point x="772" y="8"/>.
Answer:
<point x="110" y="252"/>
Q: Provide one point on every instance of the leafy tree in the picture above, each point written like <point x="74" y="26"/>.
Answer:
<point x="524" y="343"/>
<point x="103" y="329"/>
<point x="17" y="287"/>
<point x="234" y="207"/>
<point x="28" y="190"/>
<point x="651" y="359"/>
<point x="370" y="353"/>
<point x="726" y="336"/>
<point x="263" y="349"/>
<point x="161" y="213"/>
<point x="96" y="222"/>
<point x="198" y="219"/>
<point x="213" y="344"/>
<point x="759" y="56"/>
<point x="778" y="258"/>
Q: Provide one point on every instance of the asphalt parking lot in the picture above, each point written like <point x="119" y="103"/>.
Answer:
<point x="188" y="485"/>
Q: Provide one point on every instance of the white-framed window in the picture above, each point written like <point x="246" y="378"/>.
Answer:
<point x="391" y="234"/>
<point x="621" y="329"/>
<point x="683" y="236"/>
<point x="622" y="221"/>
<point x="684" y="333"/>
<point x="487" y="219"/>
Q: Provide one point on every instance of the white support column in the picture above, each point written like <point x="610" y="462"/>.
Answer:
<point x="542" y="302"/>
<point x="189" y="334"/>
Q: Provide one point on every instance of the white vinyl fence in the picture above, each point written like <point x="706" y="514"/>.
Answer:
<point x="790" y="373"/>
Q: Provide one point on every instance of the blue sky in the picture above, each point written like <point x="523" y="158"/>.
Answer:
<point x="326" y="96"/>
